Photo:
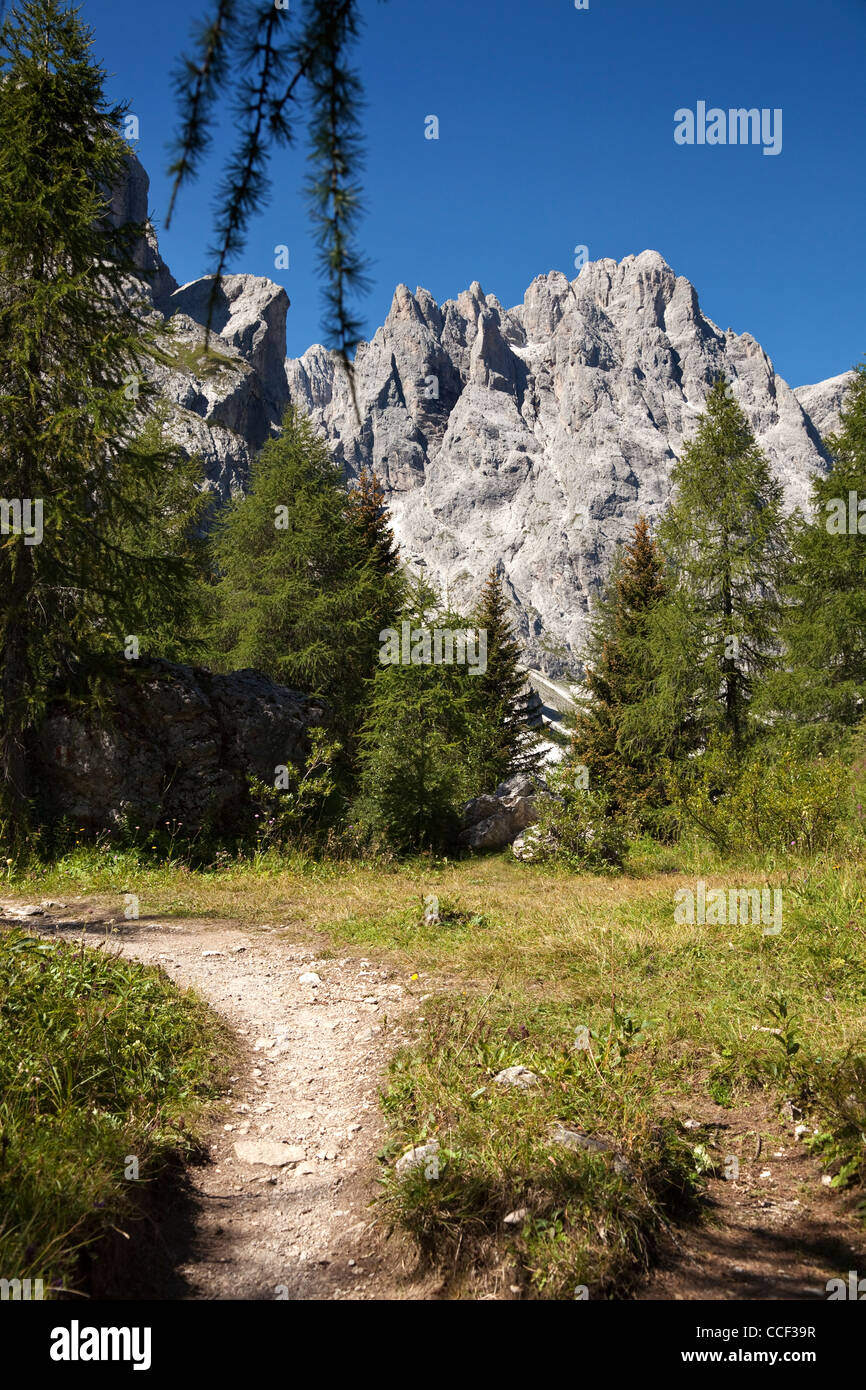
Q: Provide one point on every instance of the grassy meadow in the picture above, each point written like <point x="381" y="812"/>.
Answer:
<point x="523" y="961"/>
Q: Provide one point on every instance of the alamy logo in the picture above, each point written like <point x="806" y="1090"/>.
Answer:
<point x="22" y="516"/>
<point x="855" y="1288"/>
<point x="731" y="907"/>
<point x="737" y="126"/>
<point x="76" y="1343"/>
<point x="21" y="1290"/>
<point x="845" y="520"/>
<point x="438" y="646"/>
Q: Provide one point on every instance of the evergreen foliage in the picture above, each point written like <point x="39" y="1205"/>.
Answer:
<point x="301" y="594"/>
<point x="270" y="60"/>
<point x="822" y="685"/>
<point x="610" y="738"/>
<point x="417" y="742"/>
<point x="73" y="391"/>
<point x="371" y="515"/>
<point x="726" y="546"/>
<point x="498" y="697"/>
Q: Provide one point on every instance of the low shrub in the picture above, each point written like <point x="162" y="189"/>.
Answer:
<point x="575" y="827"/>
<point x="772" y="799"/>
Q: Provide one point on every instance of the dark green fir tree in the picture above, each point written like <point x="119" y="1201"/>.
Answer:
<point x="301" y="594"/>
<point x="726" y="541"/>
<point x="503" y="742"/>
<point x="623" y="759"/>
<point x="822" y="685"/>
<point x="416" y="741"/>
<point x="78" y="472"/>
<point x="370" y="510"/>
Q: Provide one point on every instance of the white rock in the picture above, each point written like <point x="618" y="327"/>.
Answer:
<point x="309" y="978"/>
<point x="529" y="437"/>
<point x="516" y="1076"/>
<point x="515" y="1218"/>
<point x="533" y="437"/>
<point x="822" y="402"/>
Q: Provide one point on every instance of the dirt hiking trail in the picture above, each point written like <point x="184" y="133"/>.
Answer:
<point x="282" y="1207"/>
<point x="286" y="1213"/>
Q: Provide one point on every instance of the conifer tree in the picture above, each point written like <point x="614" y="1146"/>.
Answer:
<point x="371" y="515"/>
<point x="415" y="767"/>
<point x="823" y="679"/>
<point x="621" y="757"/>
<point x="301" y="594"/>
<point x="171" y="519"/>
<point x="73" y="389"/>
<point x="498" y="697"/>
<point x="726" y="544"/>
<point x="272" y="59"/>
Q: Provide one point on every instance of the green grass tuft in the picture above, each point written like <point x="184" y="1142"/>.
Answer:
<point x="101" y="1060"/>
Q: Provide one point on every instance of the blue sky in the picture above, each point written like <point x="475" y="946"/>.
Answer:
<point x="556" y="130"/>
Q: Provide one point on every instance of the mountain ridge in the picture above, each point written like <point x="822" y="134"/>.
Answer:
<point x="532" y="438"/>
<point x="527" y="438"/>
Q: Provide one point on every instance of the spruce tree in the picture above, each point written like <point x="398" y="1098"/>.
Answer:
<point x="726" y="544"/>
<point x="498" y="697"/>
<point x="610" y="737"/>
<point x="823" y="681"/>
<point x="416" y="774"/>
<point x="371" y="515"/>
<point x="301" y="594"/>
<point x="171" y="520"/>
<point x="73" y="389"/>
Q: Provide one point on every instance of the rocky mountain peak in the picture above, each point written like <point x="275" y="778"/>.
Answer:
<point x="532" y="438"/>
<point x="226" y="399"/>
<point x="528" y="438"/>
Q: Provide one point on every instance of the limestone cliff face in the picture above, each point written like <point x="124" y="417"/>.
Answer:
<point x="823" y="402"/>
<point x="226" y="401"/>
<point x="175" y="743"/>
<point x="530" y="438"/>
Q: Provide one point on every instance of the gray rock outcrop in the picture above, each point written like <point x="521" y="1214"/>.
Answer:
<point x="225" y="397"/>
<point x="822" y="402"/>
<point x="129" y="204"/>
<point x="249" y="316"/>
<point x="532" y="438"/>
<point x="492" y="821"/>
<point x="175" y="744"/>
